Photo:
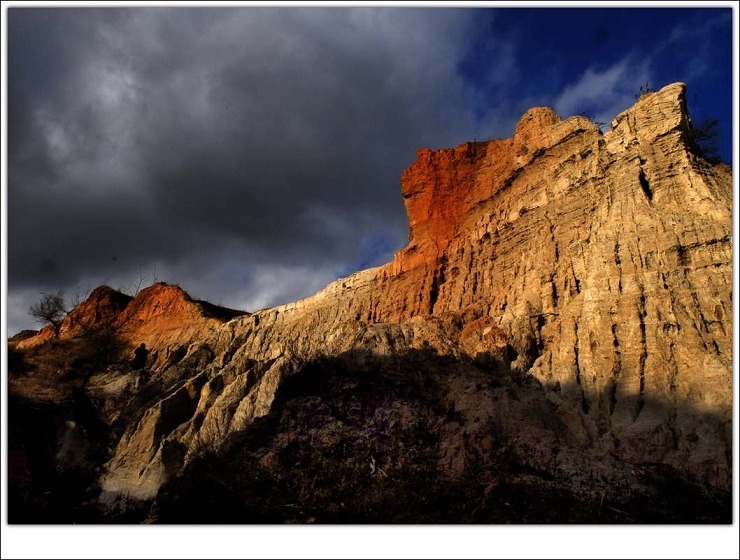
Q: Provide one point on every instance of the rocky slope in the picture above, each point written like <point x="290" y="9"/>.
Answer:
<point x="566" y="292"/>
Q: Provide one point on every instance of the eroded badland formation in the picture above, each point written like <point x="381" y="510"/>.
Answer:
<point x="553" y="345"/>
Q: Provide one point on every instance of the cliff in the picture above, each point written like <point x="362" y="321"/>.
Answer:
<point x="567" y="292"/>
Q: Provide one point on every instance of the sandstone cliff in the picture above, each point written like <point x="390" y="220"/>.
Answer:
<point x="595" y="268"/>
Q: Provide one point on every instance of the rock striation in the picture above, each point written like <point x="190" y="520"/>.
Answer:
<point x="597" y="266"/>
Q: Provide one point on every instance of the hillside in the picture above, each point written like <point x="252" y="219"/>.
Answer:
<point x="553" y="345"/>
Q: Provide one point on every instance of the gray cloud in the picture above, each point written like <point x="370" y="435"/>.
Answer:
<point x="232" y="150"/>
<point x="252" y="155"/>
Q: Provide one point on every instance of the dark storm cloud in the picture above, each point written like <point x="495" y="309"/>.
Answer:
<point x="167" y="137"/>
<point x="252" y="155"/>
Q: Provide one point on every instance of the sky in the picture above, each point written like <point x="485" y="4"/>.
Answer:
<point x="253" y="155"/>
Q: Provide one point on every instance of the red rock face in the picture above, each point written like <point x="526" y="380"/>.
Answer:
<point x="103" y="307"/>
<point x="160" y="307"/>
<point x="162" y="316"/>
<point x="462" y="201"/>
<point x="441" y="187"/>
<point x="438" y="190"/>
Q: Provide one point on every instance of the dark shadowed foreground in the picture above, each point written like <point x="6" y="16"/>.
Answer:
<point x="362" y="438"/>
<point x="372" y="440"/>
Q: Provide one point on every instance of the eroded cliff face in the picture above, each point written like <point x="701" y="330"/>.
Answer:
<point x="602" y="260"/>
<point x="596" y="265"/>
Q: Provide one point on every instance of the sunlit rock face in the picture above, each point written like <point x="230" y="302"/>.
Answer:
<point x="103" y="306"/>
<point x="596" y="265"/>
<point x="163" y="317"/>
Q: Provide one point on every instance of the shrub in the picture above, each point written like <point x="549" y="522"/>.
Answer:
<point x="704" y="138"/>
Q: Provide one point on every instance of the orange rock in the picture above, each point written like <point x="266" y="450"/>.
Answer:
<point x="163" y="316"/>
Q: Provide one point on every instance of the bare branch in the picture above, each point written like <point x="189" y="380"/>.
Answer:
<point x="50" y="309"/>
